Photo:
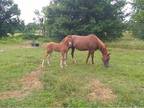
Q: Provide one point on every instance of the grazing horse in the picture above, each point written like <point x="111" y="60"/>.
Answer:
<point x="61" y="47"/>
<point x="90" y="43"/>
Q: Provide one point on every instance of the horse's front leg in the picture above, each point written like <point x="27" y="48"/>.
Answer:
<point x="72" y="54"/>
<point x="88" y="57"/>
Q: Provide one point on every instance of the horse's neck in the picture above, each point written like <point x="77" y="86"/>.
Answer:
<point x="103" y="51"/>
<point x="102" y="48"/>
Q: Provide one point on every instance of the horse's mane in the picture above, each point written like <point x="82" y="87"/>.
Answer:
<point x="102" y="46"/>
<point x="64" y="39"/>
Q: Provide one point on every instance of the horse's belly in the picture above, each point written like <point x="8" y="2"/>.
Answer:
<point x="84" y="47"/>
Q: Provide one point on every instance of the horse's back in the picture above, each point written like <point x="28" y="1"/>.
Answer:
<point x="84" y="42"/>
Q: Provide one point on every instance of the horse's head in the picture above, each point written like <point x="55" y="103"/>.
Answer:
<point x="105" y="56"/>
<point x="68" y="41"/>
<point x="106" y="59"/>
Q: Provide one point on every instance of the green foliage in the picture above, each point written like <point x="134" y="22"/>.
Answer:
<point x="138" y="19"/>
<point x="9" y="20"/>
<point x="82" y="17"/>
<point x="31" y="28"/>
<point x="31" y="31"/>
<point x="12" y="39"/>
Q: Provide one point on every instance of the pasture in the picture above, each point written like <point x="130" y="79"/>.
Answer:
<point x="71" y="86"/>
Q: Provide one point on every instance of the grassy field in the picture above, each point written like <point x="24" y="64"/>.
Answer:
<point x="69" y="87"/>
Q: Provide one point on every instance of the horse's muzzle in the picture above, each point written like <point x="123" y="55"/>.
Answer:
<point x="106" y="65"/>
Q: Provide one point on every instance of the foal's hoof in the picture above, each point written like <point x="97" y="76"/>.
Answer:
<point x="49" y="65"/>
<point x="61" y="66"/>
<point x="66" y="65"/>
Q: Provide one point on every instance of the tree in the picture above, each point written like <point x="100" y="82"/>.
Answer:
<point x="31" y="28"/>
<point x="138" y="18"/>
<point x="40" y="21"/>
<point x="9" y="20"/>
<point x="101" y="17"/>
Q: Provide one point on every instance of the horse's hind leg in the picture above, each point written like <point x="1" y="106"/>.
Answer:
<point x="92" y="57"/>
<point x="72" y="53"/>
<point x="88" y="57"/>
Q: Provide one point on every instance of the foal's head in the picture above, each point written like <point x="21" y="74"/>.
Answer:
<point x="67" y="41"/>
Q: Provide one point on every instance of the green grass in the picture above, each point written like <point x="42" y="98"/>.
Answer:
<point x="14" y="64"/>
<point x="68" y="87"/>
<point x="127" y="42"/>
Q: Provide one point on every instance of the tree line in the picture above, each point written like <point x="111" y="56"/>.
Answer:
<point x="105" y="18"/>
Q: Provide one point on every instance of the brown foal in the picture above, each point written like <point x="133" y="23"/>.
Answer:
<point x="61" y="47"/>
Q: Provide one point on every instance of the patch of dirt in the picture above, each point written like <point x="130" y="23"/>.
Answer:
<point x="98" y="91"/>
<point x="30" y="82"/>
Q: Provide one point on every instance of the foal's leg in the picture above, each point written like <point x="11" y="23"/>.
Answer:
<point x="48" y="58"/>
<point x="65" y="58"/>
<point x="46" y="54"/>
<point x="62" y="60"/>
<point x="72" y="53"/>
<point x="42" y="63"/>
<point x="88" y="57"/>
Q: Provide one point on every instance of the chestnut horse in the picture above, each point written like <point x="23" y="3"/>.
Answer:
<point x="61" y="47"/>
<point x="90" y="43"/>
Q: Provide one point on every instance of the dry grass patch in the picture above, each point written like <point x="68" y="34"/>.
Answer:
<point x="29" y="83"/>
<point x="98" y="91"/>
